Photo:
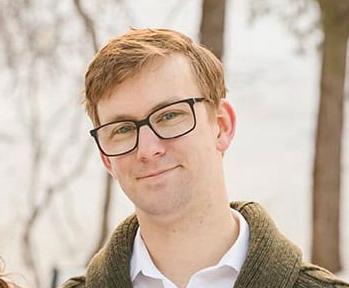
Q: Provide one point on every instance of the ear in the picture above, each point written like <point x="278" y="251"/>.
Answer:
<point x="107" y="165"/>
<point x="226" y="122"/>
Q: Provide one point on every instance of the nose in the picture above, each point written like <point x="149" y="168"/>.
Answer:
<point x="150" y="146"/>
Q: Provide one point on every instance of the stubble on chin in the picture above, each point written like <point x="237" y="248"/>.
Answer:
<point x="163" y="200"/>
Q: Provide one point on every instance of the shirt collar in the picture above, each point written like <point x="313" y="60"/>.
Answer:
<point x="141" y="260"/>
<point x="234" y="257"/>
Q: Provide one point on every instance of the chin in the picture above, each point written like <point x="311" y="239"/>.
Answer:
<point x="168" y="203"/>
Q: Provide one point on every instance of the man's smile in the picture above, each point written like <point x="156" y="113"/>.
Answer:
<point x="156" y="173"/>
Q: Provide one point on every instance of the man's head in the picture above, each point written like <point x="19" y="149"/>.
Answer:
<point x="155" y="131"/>
<point x="125" y="56"/>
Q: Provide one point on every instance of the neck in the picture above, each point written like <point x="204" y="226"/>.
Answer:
<point x="192" y="241"/>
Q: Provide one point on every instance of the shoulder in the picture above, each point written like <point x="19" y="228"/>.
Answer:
<point x="111" y="262"/>
<point x="314" y="276"/>
<point x="75" y="282"/>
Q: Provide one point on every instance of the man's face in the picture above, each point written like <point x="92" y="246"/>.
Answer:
<point x="164" y="176"/>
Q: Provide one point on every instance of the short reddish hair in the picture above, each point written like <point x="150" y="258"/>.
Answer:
<point x="125" y="56"/>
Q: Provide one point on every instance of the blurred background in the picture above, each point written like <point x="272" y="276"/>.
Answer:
<point x="287" y="79"/>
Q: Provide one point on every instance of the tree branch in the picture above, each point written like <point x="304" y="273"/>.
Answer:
<point x="88" y="23"/>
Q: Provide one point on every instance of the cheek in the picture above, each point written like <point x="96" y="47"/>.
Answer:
<point x="200" y="150"/>
<point x="118" y="167"/>
<point x="121" y="173"/>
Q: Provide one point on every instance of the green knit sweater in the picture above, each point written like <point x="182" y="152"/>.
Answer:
<point x="272" y="261"/>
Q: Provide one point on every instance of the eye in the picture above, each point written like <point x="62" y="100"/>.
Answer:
<point x="124" y="129"/>
<point x="169" y="116"/>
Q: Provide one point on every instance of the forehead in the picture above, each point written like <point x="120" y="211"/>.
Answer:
<point x="163" y="80"/>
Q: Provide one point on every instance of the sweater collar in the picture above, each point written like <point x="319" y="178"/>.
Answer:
<point x="271" y="261"/>
<point x="234" y="258"/>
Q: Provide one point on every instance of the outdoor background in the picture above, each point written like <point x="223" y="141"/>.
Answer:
<point x="55" y="205"/>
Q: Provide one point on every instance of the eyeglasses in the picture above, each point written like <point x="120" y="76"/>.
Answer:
<point x="167" y="122"/>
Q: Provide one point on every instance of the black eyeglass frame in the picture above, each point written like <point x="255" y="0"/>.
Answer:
<point x="146" y="121"/>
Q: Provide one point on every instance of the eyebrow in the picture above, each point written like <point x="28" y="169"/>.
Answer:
<point x="126" y="117"/>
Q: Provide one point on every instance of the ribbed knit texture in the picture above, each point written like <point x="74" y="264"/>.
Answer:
<point x="272" y="260"/>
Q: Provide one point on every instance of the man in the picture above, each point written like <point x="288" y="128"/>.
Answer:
<point x="157" y="100"/>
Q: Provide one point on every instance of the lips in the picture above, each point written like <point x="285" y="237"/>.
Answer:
<point x="155" y="173"/>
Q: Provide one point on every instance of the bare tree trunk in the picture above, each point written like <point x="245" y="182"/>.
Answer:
<point x="90" y="28"/>
<point x="104" y="231"/>
<point x="35" y="141"/>
<point x="212" y="26"/>
<point x="105" y="211"/>
<point x="327" y="162"/>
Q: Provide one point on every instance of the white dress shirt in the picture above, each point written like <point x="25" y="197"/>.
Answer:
<point x="144" y="273"/>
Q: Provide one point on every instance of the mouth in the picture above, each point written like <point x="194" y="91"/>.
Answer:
<point x="155" y="174"/>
